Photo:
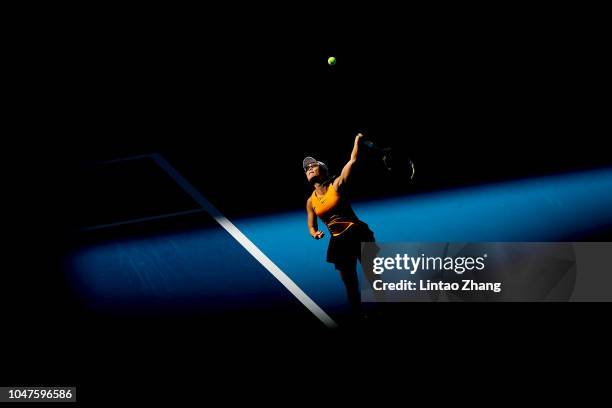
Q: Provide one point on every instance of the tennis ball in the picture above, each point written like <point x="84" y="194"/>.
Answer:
<point x="331" y="60"/>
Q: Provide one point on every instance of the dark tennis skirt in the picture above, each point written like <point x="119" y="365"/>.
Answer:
<point x="345" y="249"/>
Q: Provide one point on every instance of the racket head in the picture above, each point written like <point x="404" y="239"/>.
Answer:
<point x="404" y="167"/>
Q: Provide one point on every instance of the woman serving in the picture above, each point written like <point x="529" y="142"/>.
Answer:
<point x="329" y="203"/>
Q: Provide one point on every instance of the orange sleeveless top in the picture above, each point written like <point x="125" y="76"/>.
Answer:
<point x="334" y="211"/>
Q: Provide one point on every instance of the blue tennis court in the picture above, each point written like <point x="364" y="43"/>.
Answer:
<point x="269" y="265"/>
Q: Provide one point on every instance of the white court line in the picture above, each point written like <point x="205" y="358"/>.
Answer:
<point x="245" y="242"/>
<point x="137" y="220"/>
<point x="138" y="157"/>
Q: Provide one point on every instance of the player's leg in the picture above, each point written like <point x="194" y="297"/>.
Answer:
<point x="348" y="273"/>
<point x="366" y="259"/>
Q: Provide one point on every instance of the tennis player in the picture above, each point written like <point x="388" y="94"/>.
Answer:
<point x="328" y="202"/>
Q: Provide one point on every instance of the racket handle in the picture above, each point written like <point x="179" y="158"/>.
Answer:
<point x="367" y="143"/>
<point x="372" y="146"/>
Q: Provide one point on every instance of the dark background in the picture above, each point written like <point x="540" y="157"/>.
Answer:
<point x="469" y="100"/>
<point x="236" y="101"/>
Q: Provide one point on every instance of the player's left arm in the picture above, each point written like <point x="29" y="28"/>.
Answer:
<point x="346" y="170"/>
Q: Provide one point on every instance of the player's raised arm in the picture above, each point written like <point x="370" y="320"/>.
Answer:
<point x="346" y="170"/>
